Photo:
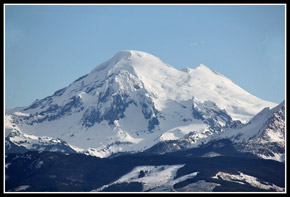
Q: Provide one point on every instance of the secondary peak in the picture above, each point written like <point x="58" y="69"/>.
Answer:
<point x="202" y="66"/>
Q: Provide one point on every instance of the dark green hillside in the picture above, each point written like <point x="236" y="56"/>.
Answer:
<point x="59" y="172"/>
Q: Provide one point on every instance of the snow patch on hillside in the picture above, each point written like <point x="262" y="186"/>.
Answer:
<point x="242" y="178"/>
<point x="153" y="178"/>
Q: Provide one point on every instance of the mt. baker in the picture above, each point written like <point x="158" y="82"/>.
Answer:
<point x="130" y="103"/>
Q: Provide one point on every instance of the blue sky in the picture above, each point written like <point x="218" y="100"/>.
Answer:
<point x="47" y="47"/>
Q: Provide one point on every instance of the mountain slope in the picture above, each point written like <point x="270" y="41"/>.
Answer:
<point x="133" y="101"/>
<point x="62" y="172"/>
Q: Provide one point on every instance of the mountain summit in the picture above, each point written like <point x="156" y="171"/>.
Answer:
<point x="165" y="82"/>
<point x="130" y="103"/>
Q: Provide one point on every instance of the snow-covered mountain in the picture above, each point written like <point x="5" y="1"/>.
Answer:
<point x="132" y="102"/>
<point x="264" y="135"/>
